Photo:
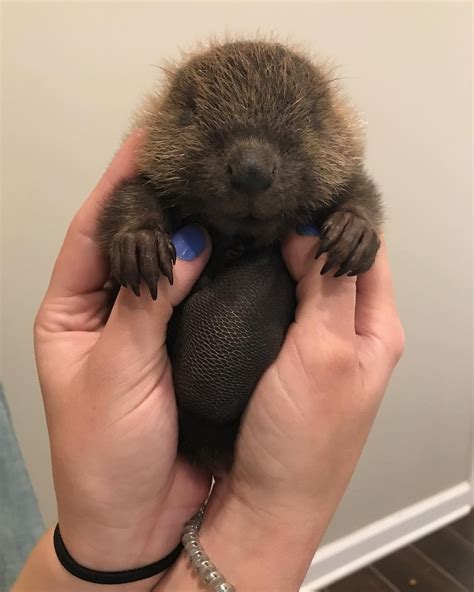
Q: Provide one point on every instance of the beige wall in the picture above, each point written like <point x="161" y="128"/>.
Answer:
<point x="73" y="74"/>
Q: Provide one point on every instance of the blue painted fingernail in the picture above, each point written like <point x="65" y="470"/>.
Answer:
<point x="189" y="242"/>
<point x="307" y="230"/>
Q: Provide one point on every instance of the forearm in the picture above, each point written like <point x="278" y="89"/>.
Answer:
<point x="362" y="197"/>
<point x="43" y="573"/>
<point x="253" y="549"/>
<point x="134" y="205"/>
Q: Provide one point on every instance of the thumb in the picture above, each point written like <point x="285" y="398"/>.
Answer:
<point x="140" y="321"/>
<point x="325" y="303"/>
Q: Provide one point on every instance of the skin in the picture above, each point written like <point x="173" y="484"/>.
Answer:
<point x="122" y="491"/>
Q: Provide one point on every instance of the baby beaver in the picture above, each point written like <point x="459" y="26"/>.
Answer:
<point x="249" y="139"/>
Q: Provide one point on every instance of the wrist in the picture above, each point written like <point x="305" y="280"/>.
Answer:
<point x="253" y="549"/>
<point x="44" y="573"/>
<point x="246" y="542"/>
<point x="121" y="547"/>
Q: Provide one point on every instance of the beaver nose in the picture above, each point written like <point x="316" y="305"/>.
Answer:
<point x="251" y="170"/>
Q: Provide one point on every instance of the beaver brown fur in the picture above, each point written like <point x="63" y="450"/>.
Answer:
<point x="249" y="139"/>
<point x="235" y="109"/>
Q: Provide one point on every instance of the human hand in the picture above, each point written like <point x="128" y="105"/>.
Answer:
<point x="310" y="415"/>
<point x="304" y="428"/>
<point x="122" y="492"/>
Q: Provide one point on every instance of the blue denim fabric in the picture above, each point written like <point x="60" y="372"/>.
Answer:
<point x="20" y="520"/>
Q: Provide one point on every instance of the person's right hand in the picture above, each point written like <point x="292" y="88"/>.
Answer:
<point x="305" y="426"/>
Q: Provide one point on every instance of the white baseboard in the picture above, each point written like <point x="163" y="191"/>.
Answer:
<point x="357" y="550"/>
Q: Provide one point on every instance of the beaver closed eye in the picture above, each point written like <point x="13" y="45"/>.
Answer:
<point x="249" y="139"/>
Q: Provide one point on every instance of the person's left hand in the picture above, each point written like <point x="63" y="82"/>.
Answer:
<point x="123" y="493"/>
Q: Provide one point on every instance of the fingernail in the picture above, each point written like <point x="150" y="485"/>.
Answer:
<point x="307" y="230"/>
<point x="189" y="242"/>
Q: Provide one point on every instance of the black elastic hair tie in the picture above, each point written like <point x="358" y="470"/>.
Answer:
<point x="111" y="577"/>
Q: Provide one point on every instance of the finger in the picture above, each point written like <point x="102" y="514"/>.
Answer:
<point x="375" y="296"/>
<point x="143" y="321"/>
<point x="299" y="249"/>
<point x="325" y="303"/>
<point x="376" y="316"/>
<point x="80" y="268"/>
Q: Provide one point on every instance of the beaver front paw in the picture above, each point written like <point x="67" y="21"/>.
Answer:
<point x="351" y="243"/>
<point x="141" y="255"/>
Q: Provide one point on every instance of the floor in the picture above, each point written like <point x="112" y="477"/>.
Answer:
<point x="440" y="562"/>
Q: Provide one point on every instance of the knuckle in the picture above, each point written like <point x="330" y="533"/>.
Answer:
<point x="393" y="341"/>
<point x="142" y="236"/>
<point x="37" y="323"/>
<point x="126" y="237"/>
<point x="339" y="251"/>
<point x="397" y="341"/>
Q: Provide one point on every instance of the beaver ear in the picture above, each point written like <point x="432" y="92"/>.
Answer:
<point x="183" y="90"/>
<point x="182" y="98"/>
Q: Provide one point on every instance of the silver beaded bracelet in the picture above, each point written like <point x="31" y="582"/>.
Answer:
<point x="207" y="571"/>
